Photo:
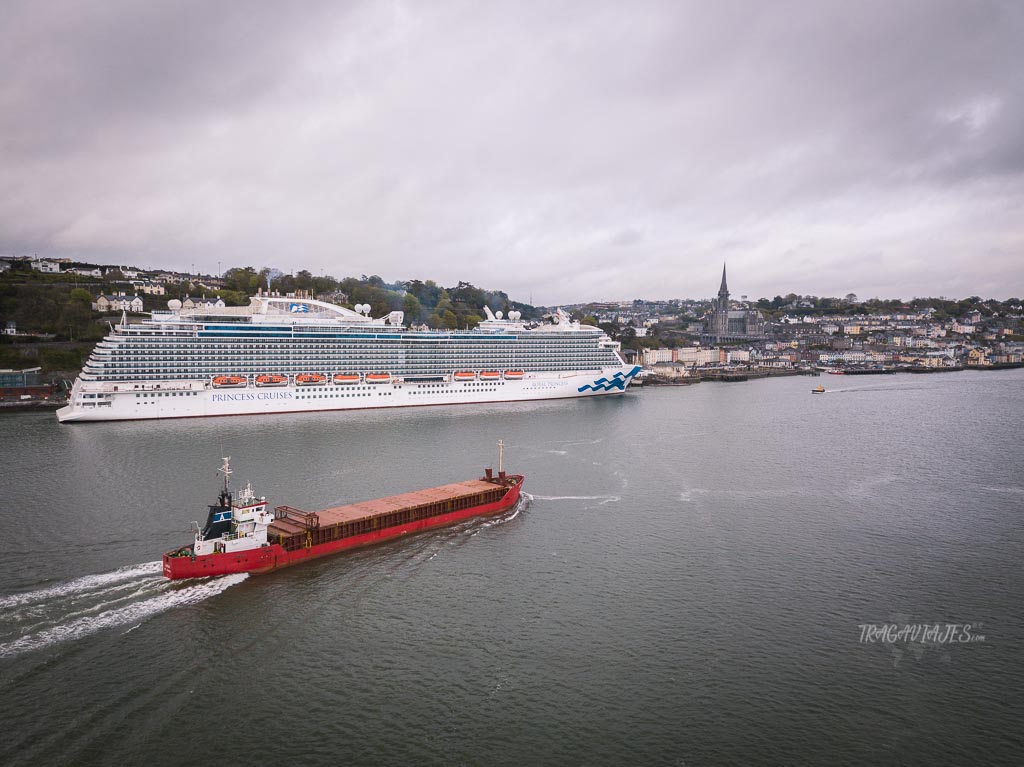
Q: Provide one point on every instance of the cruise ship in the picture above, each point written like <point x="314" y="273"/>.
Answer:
<point x="289" y="355"/>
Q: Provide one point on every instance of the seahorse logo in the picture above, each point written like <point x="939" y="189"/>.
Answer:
<point x="617" y="381"/>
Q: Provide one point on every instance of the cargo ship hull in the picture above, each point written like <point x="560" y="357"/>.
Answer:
<point x="284" y="552"/>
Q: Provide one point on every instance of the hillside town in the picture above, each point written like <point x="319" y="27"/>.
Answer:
<point x="675" y="341"/>
<point x="723" y="336"/>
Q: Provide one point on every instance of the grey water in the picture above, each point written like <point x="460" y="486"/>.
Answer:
<point x="696" y="577"/>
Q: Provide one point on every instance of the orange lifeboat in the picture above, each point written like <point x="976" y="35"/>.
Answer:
<point x="271" y="380"/>
<point x="310" y="379"/>
<point x="464" y="375"/>
<point x="490" y="375"/>
<point x="513" y="375"/>
<point x="346" y="378"/>
<point x="229" y="382"/>
<point x="378" y="378"/>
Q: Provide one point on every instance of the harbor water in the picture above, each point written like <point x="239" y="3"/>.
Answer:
<point x="729" y="573"/>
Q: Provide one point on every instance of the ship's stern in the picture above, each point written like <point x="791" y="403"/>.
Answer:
<point x="179" y="564"/>
<point x="70" y="412"/>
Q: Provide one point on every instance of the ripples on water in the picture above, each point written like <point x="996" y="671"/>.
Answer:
<point x="682" y="583"/>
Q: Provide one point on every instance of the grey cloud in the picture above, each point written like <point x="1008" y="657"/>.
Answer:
<point x="573" y="151"/>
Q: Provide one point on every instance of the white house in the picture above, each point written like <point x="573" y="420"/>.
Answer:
<point x="202" y="303"/>
<point x="106" y="303"/>
<point x="46" y="266"/>
<point x="149" y="288"/>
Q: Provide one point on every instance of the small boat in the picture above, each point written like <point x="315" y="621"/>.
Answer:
<point x="819" y="389"/>
<point x="464" y="375"/>
<point x="513" y="375"/>
<point x="346" y="378"/>
<point x="229" y="382"/>
<point x="836" y="372"/>
<point x="490" y="375"/>
<point x="272" y="380"/>
<point x="378" y="378"/>
<point x="310" y="379"/>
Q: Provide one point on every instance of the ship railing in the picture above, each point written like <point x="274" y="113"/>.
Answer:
<point x="310" y="520"/>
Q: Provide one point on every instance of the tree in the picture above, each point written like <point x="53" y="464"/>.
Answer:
<point x="75" y="317"/>
<point x="81" y="295"/>
<point x="243" y="279"/>
<point x="412" y="308"/>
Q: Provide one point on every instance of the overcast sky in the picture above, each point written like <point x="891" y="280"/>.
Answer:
<point x="566" y="151"/>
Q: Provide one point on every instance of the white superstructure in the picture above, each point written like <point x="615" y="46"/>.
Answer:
<point x="283" y="355"/>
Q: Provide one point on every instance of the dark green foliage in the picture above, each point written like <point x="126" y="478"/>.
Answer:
<point x="60" y="359"/>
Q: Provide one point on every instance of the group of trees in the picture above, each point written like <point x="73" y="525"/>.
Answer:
<point x="423" y="302"/>
<point x="945" y="308"/>
<point x="44" y="305"/>
<point x="64" y="311"/>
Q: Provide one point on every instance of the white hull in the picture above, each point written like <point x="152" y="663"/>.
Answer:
<point x="124" y="402"/>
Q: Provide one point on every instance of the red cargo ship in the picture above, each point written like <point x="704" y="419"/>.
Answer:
<point x="242" y="535"/>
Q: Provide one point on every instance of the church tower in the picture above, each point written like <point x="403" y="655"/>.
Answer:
<point x="720" y="315"/>
<point x="746" y="324"/>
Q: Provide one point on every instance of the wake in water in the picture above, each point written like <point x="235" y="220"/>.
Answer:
<point x="508" y="516"/>
<point x="80" y="585"/>
<point x="77" y="608"/>
<point x="602" y="498"/>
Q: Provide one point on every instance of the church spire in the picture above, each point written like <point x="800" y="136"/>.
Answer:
<point x="724" y="288"/>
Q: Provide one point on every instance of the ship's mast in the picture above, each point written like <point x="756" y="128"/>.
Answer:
<point x="225" y="469"/>
<point x="501" y="454"/>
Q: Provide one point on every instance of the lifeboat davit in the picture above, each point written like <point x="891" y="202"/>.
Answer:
<point x="490" y="375"/>
<point x="229" y="382"/>
<point x="272" y="380"/>
<point x="310" y="379"/>
<point x="513" y="375"/>
<point x="378" y="378"/>
<point x="346" y="378"/>
<point x="464" y="375"/>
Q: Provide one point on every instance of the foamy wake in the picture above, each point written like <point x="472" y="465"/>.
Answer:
<point x="483" y="524"/>
<point x="603" y="498"/>
<point x="87" y="583"/>
<point x="151" y="595"/>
